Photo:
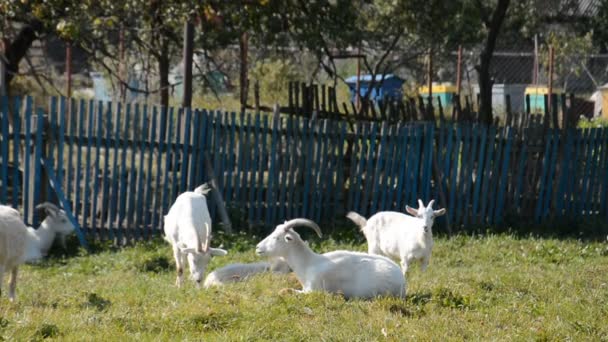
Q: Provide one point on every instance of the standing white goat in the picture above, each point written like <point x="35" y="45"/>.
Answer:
<point x="353" y="274"/>
<point x="188" y="229"/>
<point x="399" y="236"/>
<point x="20" y="244"/>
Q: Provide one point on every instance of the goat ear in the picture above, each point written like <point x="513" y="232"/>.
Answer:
<point x="218" y="251"/>
<point x="439" y="212"/>
<point x="288" y="238"/>
<point x="411" y="210"/>
<point x="185" y="249"/>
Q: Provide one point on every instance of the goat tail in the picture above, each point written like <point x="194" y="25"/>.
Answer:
<point x="357" y="219"/>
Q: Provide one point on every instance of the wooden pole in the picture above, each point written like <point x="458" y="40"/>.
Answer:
<point x="358" y="84"/>
<point x="550" y="85"/>
<point x="535" y="71"/>
<point x="243" y="75"/>
<point x="430" y="81"/>
<point x="68" y="69"/>
<point x="121" y="65"/>
<point x="459" y="71"/>
<point x="188" y="52"/>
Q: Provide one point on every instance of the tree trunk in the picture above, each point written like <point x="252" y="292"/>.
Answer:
<point x="163" y="70"/>
<point x="485" y="59"/>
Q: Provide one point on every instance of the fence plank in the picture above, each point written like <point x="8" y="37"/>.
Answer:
<point x="502" y="183"/>
<point x="124" y="171"/>
<point x="168" y="148"/>
<point x="494" y="171"/>
<point x="38" y="155"/>
<point x="543" y="178"/>
<point x="368" y="185"/>
<point x="453" y="173"/>
<point x="4" y="150"/>
<point x="28" y="149"/>
<point x="378" y="168"/>
<point x="404" y="150"/>
<point x="17" y="179"/>
<point x="115" y="196"/>
<point x="485" y="134"/>
<point x="308" y="136"/>
<point x="428" y="160"/>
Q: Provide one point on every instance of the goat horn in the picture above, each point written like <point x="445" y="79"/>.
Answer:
<point x="303" y="222"/>
<point x="48" y="206"/>
<point x="431" y="203"/>
<point x="420" y="203"/>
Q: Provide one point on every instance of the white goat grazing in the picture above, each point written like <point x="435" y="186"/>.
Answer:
<point x="20" y="244"/>
<point x="353" y="274"/>
<point x="240" y="272"/>
<point x="188" y="229"/>
<point x="399" y="236"/>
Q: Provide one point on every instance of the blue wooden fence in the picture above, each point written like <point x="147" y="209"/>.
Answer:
<point x="121" y="166"/>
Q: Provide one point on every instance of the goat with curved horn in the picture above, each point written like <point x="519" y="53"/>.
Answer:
<point x="50" y="208"/>
<point x="352" y="274"/>
<point x="302" y="222"/>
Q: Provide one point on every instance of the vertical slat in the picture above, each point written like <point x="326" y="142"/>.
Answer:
<point x="339" y="186"/>
<point x="28" y="145"/>
<point x="123" y="173"/>
<point x="37" y="159"/>
<point x="485" y="134"/>
<point x="455" y="155"/>
<point x="591" y="207"/>
<point x="493" y="177"/>
<point x="158" y="210"/>
<point x="253" y="168"/>
<point x="71" y="135"/>
<point x="387" y="194"/>
<point x="80" y="143"/>
<point x="105" y="198"/>
<point x="16" y="150"/>
<point x="403" y="150"/>
<point x="225" y="154"/>
<point x="359" y="189"/>
<point x="240" y="162"/>
<point x="247" y="161"/>
<point x="589" y="162"/>
<point x="50" y="137"/>
<point x="428" y="160"/>
<point x="297" y="162"/>
<point x="139" y="219"/>
<point x="565" y="172"/>
<point x="549" y="182"/>
<point x="545" y="170"/>
<point x="573" y="186"/>
<point x="262" y="166"/>
<point x="131" y="231"/>
<point x="416" y="169"/>
<point x="324" y="176"/>
<point x="502" y="183"/>
<point x="354" y="158"/>
<point x="94" y="197"/>
<point x="601" y="170"/>
<point x="168" y="151"/>
<point x="285" y="162"/>
<point x="463" y="158"/>
<point x="195" y="155"/>
<point x="217" y="145"/>
<point x="4" y="151"/>
<point x="307" y="138"/>
<point x="468" y="175"/>
<point x="369" y="179"/>
<point x="604" y="195"/>
<point x="272" y="175"/>
<point x="86" y="214"/>
<point x="60" y="144"/>
<point x="186" y="148"/>
<point x="228" y="186"/>
<point x="149" y="190"/>
<point x="115" y="196"/>
<point x="376" y="185"/>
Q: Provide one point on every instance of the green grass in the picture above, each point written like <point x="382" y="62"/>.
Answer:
<point x="497" y="287"/>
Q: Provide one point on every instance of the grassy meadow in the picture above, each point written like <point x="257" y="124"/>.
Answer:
<point x="494" y="287"/>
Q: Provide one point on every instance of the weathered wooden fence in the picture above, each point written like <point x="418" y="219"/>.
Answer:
<point x="120" y="167"/>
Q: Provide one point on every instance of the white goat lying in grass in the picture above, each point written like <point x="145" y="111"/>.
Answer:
<point x="20" y="244"/>
<point x="399" y="236"/>
<point x="240" y="272"/>
<point x="188" y="229"/>
<point x="353" y="274"/>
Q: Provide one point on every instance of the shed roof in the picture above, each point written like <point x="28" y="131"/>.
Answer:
<point x="368" y="78"/>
